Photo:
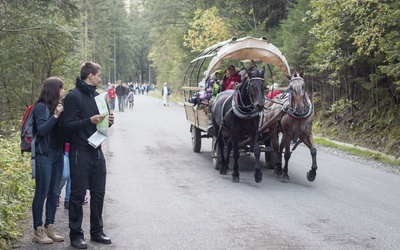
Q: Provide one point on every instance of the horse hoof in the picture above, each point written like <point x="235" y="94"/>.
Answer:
<point x="235" y="178"/>
<point x="222" y="171"/>
<point x="311" y="176"/>
<point x="285" y="180"/>
<point x="278" y="171"/>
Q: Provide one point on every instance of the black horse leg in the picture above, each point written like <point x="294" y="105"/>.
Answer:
<point x="228" y="151"/>
<point x="257" y="173"/>
<point x="223" y="164"/>
<point x="285" y="176"/>
<point x="236" y="154"/>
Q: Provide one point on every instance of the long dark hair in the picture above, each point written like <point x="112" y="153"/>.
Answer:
<point x="50" y="92"/>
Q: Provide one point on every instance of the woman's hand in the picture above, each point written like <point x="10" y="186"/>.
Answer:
<point x="59" y="109"/>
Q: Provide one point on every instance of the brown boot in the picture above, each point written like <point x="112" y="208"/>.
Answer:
<point x="41" y="237"/>
<point x="51" y="232"/>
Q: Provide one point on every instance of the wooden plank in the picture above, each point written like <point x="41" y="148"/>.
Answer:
<point x="192" y="88"/>
<point x="199" y="118"/>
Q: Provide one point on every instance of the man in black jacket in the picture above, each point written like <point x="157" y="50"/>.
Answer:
<point x="87" y="164"/>
<point x="121" y="93"/>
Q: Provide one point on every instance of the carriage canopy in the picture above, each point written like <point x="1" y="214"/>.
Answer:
<point x="248" y="48"/>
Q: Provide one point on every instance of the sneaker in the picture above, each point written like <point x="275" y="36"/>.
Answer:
<point x="41" y="237"/>
<point x="66" y="204"/>
<point x="51" y="232"/>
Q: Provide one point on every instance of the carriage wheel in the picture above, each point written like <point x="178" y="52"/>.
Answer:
<point x="215" y="154"/>
<point x="196" y="139"/>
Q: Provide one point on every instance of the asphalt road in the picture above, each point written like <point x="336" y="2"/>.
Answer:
<point x="162" y="195"/>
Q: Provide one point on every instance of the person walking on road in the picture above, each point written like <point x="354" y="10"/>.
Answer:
<point x="111" y="96"/>
<point x="165" y="92"/>
<point x="121" y="93"/>
<point x="88" y="166"/>
<point x="48" y="160"/>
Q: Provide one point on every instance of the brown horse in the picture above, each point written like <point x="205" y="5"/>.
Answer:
<point x="296" y="123"/>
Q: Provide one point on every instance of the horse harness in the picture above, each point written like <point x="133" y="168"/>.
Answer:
<point x="245" y="112"/>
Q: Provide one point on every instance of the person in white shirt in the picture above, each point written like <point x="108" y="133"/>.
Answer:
<point x="165" y="92"/>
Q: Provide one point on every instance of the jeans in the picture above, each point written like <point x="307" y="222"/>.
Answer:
<point x="65" y="179"/>
<point x="112" y="103"/>
<point x="121" y="103"/>
<point x="49" y="169"/>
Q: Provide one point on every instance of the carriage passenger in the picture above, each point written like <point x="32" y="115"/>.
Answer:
<point x="274" y="91"/>
<point x="231" y="78"/>
<point x="217" y="84"/>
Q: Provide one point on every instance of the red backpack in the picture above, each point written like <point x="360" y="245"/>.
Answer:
<point x="27" y="135"/>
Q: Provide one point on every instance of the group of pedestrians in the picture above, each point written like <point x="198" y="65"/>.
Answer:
<point x="125" y="92"/>
<point x="77" y="117"/>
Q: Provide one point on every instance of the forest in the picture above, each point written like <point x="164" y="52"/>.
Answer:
<point x="349" y="49"/>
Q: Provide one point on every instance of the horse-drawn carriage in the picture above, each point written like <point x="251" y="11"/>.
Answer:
<point x="235" y="119"/>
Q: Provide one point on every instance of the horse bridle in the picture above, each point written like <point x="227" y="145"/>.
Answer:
<point x="239" y="108"/>
<point x="308" y="109"/>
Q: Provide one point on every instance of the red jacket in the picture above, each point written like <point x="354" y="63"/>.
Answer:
<point x="111" y="93"/>
<point x="230" y="82"/>
<point x="272" y="94"/>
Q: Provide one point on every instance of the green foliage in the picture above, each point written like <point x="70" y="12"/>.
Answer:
<point x="36" y="42"/>
<point x="207" y="28"/>
<point x="15" y="189"/>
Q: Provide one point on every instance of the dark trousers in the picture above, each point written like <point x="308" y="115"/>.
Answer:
<point x="88" y="171"/>
<point x="49" y="169"/>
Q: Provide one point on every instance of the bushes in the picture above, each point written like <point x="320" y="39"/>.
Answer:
<point x="16" y="189"/>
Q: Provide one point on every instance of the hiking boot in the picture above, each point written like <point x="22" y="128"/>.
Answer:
<point x="51" y="232"/>
<point x="41" y="237"/>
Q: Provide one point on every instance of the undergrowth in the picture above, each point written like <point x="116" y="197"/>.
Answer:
<point x="16" y="190"/>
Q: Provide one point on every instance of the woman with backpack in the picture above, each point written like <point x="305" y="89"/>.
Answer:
<point x="49" y="160"/>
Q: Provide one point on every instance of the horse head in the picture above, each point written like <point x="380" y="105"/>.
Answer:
<point x="253" y="89"/>
<point x="298" y="99"/>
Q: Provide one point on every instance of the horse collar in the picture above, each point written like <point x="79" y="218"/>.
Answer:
<point x="242" y="111"/>
<point x="293" y="113"/>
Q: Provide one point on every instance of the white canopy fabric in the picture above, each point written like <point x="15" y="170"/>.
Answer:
<point x="249" y="48"/>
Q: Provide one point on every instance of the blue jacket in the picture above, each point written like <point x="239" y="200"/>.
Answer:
<point x="45" y="128"/>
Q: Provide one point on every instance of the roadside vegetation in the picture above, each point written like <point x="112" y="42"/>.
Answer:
<point x="16" y="190"/>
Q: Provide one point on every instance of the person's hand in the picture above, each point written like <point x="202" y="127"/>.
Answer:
<point x="111" y="118"/>
<point x="59" y="109"/>
<point x="97" y="118"/>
